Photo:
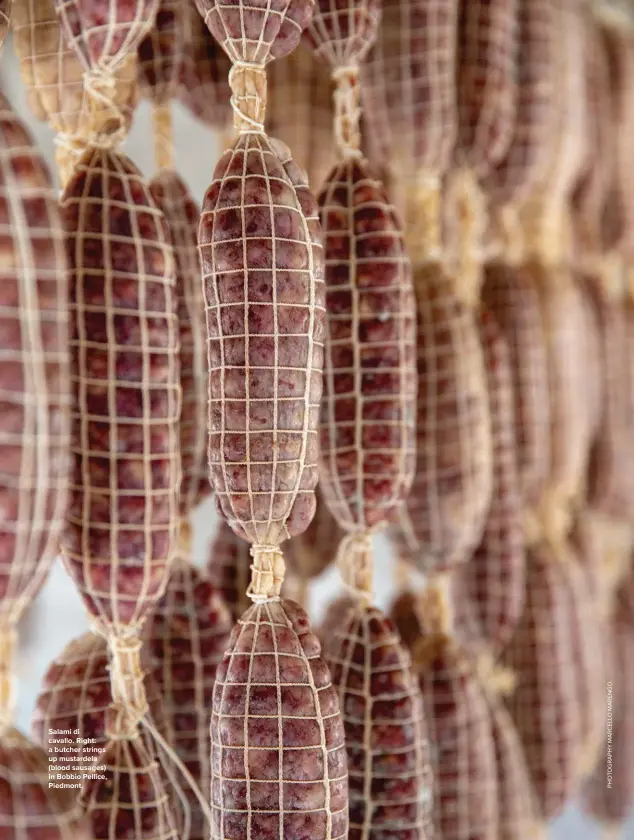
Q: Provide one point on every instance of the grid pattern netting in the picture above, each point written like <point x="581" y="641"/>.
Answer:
<point x="53" y="74"/>
<point x="76" y="694"/>
<point x="368" y="411"/>
<point x="446" y="510"/>
<point x="614" y="803"/>
<point x="389" y="772"/>
<point x="29" y="808"/>
<point x="103" y="34"/>
<point x="462" y="749"/>
<point x="229" y="569"/>
<point x="265" y="339"/>
<point x="259" y="32"/>
<point x="517" y="813"/>
<point x="308" y="554"/>
<point x="335" y="616"/>
<point x="132" y="800"/>
<point x="491" y="584"/>
<point x="34" y="368"/>
<point x="592" y="192"/>
<point x="409" y="86"/>
<point x="610" y="476"/>
<point x="299" y="110"/>
<point x="513" y="299"/>
<point x="588" y="636"/>
<point x="522" y="166"/>
<point x="278" y="756"/>
<point x="204" y="87"/>
<point x="186" y="637"/>
<point x="122" y="518"/>
<point x="545" y="706"/>
<point x="162" y="54"/>
<point x="620" y="45"/>
<point x="342" y="33"/>
<point x="487" y="57"/>
<point x="571" y="352"/>
<point x="182" y="215"/>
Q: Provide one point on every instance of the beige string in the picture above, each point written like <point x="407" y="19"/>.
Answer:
<point x="267" y="573"/>
<point x="347" y="121"/>
<point x="185" y="538"/>
<point x="495" y="677"/>
<point x="7" y="644"/>
<point x="248" y="97"/>
<point x="354" y="559"/>
<point x="433" y="606"/>
<point x="422" y="217"/>
<point x="129" y="701"/>
<point x="469" y="213"/>
<point x="508" y="222"/>
<point x="163" y="136"/>
<point x="106" y="123"/>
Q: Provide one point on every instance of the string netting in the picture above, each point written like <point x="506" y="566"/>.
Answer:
<point x="444" y="517"/>
<point x="545" y="706"/>
<point x="300" y="112"/>
<point x="265" y="339"/>
<point x="186" y="637"/>
<point x="162" y="52"/>
<point x="517" y="812"/>
<point x="54" y="79"/>
<point x="513" y="299"/>
<point x="368" y="414"/>
<point x="512" y="180"/>
<point x="229" y="569"/>
<point x="463" y="761"/>
<point x="34" y="373"/>
<point x="132" y="800"/>
<point x="76" y="695"/>
<point x="122" y="518"/>
<point x="409" y="94"/>
<point x="490" y="587"/>
<point x="204" y="87"/>
<point x="486" y="89"/>
<point x="102" y="36"/>
<point x="278" y="756"/>
<point x="571" y="351"/>
<point x="610" y="478"/>
<point x="607" y="793"/>
<point x="335" y="616"/>
<point x="30" y="808"/>
<point x="181" y="213"/>
<point x="389" y="772"/>
<point x="5" y="19"/>
<point x="308" y="554"/>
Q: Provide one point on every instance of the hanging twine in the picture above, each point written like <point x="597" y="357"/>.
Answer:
<point x="507" y="220"/>
<point x="129" y="701"/>
<point x="347" y="124"/>
<point x="163" y="136"/>
<point x="267" y="573"/>
<point x="106" y="123"/>
<point x="422" y="219"/>
<point x="354" y="559"/>
<point x="469" y="213"/>
<point x="434" y="612"/>
<point x="7" y="645"/>
<point x="493" y="676"/>
<point x="248" y="97"/>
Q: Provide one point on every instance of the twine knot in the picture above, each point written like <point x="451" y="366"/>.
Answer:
<point x="422" y="213"/>
<point x="498" y="679"/>
<point x="129" y="702"/>
<point x="7" y="645"/>
<point x="434" y="608"/>
<point x="354" y="559"/>
<point x="106" y="124"/>
<point x="347" y="111"/>
<point x="248" y="97"/>
<point x="267" y="573"/>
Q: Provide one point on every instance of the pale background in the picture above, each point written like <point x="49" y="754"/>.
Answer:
<point x="58" y="615"/>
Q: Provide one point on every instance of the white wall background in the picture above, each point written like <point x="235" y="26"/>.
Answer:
<point x="58" y="615"/>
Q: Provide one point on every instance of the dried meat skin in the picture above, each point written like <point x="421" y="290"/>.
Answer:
<point x="121" y="522"/>
<point x="390" y="777"/>
<point x="34" y="369"/>
<point x="162" y="53"/>
<point x="275" y="716"/>
<point x="265" y="339"/>
<point x="342" y="33"/>
<point x="368" y="414"/>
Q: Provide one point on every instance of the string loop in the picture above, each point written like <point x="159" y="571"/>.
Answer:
<point x="7" y="645"/>
<point x="354" y="559"/>
<point x="347" y="111"/>
<point x="267" y="573"/>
